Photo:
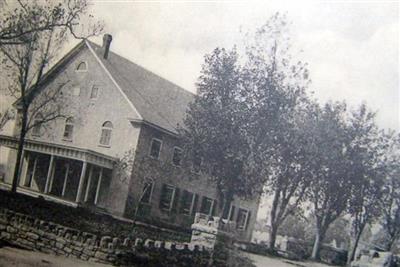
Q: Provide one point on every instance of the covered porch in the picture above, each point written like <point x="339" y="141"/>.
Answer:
<point x="68" y="175"/>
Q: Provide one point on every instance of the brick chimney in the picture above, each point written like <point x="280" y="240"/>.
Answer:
<point x="107" y="38"/>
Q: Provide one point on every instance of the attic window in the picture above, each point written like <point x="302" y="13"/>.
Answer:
<point x="155" y="148"/>
<point x="177" y="156"/>
<point x="82" y="67"/>
<point x="94" y="92"/>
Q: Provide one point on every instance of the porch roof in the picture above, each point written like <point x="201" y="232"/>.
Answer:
<point x="75" y="153"/>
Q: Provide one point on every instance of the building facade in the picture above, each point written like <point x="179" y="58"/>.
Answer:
<point x="117" y="149"/>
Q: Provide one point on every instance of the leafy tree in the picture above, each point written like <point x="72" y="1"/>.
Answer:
<point x="330" y="168"/>
<point x="278" y="104"/>
<point x="244" y="120"/>
<point x="214" y="130"/>
<point x="31" y="37"/>
<point x="338" y="232"/>
<point x="390" y="200"/>
<point x="294" y="226"/>
<point x="365" y="151"/>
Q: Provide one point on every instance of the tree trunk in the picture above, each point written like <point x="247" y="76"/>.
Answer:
<point x="21" y="143"/>
<point x="319" y="238"/>
<point x="272" y="238"/>
<point x="392" y="242"/>
<point x="355" y="245"/>
<point x="274" y="227"/>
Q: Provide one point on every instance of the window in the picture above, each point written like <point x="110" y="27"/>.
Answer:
<point x="106" y="133"/>
<point x="207" y="205"/>
<point x="177" y="156"/>
<point x="187" y="202"/>
<point x="155" y="148"/>
<point x="76" y="91"/>
<point x="229" y="213"/>
<point x="69" y="128"/>
<point x="37" y="127"/>
<point x="167" y="197"/>
<point x="197" y="162"/>
<point x="232" y="212"/>
<point x="242" y="218"/>
<point x="82" y="67"/>
<point x="95" y="91"/>
<point x="147" y="192"/>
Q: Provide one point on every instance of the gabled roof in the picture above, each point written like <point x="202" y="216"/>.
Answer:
<point x="158" y="101"/>
<point x="52" y="72"/>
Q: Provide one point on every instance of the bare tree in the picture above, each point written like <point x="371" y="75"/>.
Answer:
<point x="6" y="116"/>
<point x="22" y="18"/>
<point x="31" y="37"/>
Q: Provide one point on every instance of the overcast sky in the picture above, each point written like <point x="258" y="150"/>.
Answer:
<point x="352" y="47"/>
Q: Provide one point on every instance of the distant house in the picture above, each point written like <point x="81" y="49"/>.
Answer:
<point x="118" y="152"/>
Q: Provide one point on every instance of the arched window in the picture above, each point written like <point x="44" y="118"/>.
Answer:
<point x="69" y="128"/>
<point x="82" y="66"/>
<point x="106" y="133"/>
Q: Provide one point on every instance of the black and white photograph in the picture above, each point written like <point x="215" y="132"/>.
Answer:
<point x="199" y="133"/>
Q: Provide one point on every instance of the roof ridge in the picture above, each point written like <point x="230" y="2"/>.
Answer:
<point x="112" y="78"/>
<point x="158" y="100"/>
<point x="147" y="70"/>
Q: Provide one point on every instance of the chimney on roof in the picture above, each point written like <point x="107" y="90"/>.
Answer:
<point x="107" y="38"/>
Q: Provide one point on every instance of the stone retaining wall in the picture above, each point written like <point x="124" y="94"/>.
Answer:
<point x="28" y="232"/>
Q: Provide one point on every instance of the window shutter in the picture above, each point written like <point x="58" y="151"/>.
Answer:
<point x="196" y="200"/>
<point x="247" y="220"/>
<point x="183" y="201"/>
<point x="214" y="208"/>
<point x="175" y="201"/>
<point x="162" y="196"/>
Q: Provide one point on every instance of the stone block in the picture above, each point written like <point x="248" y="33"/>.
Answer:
<point x="76" y="252"/>
<point x="149" y="243"/>
<point x="61" y="241"/>
<point x="47" y="250"/>
<point x="115" y="242"/>
<point x="32" y="236"/>
<point x="127" y="242"/>
<point x="5" y="235"/>
<point x="67" y="249"/>
<point x="104" y="241"/>
<point x="100" y="255"/>
<point x="78" y="248"/>
<point x="88" y="251"/>
<point x="11" y="229"/>
<point x="59" y="245"/>
<point x="84" y="257"/>
<point x="40" y="244"/>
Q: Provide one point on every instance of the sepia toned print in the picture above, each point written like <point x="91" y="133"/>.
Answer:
<point x="199" y="134"/>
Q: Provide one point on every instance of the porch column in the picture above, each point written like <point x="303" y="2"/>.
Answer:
<point x="65" y="180"/>
<point x="33" y="172"/>
<point x="96" y="198"/>
<point x="24" y="168"/>
<point x="81" y="183"/>
<point x="52" y="178"/>
<point x="88" y="183"/>
<point x="49" y="174"/>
